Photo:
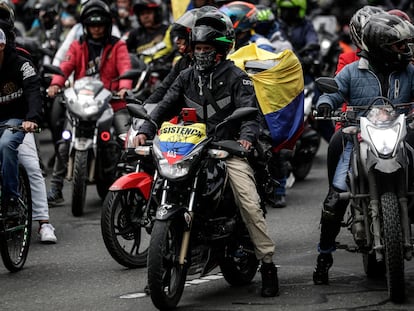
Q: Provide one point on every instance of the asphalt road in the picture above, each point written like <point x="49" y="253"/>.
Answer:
<point x="77" y="273"/>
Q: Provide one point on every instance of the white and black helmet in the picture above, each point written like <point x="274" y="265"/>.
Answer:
<point x="382" y="32"/>
<point x="358" y="21"/>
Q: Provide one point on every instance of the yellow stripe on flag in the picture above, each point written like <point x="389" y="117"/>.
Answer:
<point x="179" y="7"/>
<point x="275" y="87"/>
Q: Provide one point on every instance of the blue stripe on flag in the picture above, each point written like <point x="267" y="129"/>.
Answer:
<point x="178" y="148"/>
<point x="285" y="123"/>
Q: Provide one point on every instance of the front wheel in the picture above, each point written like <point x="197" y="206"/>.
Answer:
<point x="392" y="239"/>
<point x="79" y="182"/>
<point x="166" y="277"/>
<point x="301" y="170"/>
<point x="15" y="237"/>
<point x="125" y="226"/>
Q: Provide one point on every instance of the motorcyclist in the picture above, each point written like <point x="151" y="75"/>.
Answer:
<point x="356" y="23"/>
<point x="98" y="54"/>
<point x="268" y="27"/>
<point x="124" y="15"/>
<point x="151" y="29"/>
<point x="180" y="31"/>
<point x="230" y="88"/>
<point x="244" y="18"/>
<point x="384" y="69"/>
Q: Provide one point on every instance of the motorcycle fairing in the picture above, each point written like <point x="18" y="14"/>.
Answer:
<point x="136" y="180"/>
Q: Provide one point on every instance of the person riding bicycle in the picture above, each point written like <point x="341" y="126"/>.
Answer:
<point x="218" y="85"/>
<point x="384" y="69"/>
<point x="96" y="54"/>
<point x="21" y="105"/>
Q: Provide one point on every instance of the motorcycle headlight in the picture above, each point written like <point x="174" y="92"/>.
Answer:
<point x="173" y="171"/>
<point x="384" y="140"/>
<point x="325" y="46"/>
<point x="179" y="168"/>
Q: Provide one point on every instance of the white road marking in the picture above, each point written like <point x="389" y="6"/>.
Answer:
<point x="198" y="281"/>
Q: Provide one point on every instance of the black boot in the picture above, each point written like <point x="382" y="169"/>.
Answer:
<point x="320" y="274"/>
<point x="270" y="282"/>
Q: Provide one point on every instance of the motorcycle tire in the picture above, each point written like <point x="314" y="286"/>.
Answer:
<point x="15" y="239"/>
<point x="373" y="268"/>
<point x="166" y="277"/>
<point x="102" y="187"/>
<point x="240" y="268"/>
<point x="394" y="251"/>
<point x="124" y="236"/>
<point x="79" y="182"/>
<point x="301" y="170"/>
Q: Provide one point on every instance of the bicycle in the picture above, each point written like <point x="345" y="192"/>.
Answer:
<point x="15" y="234"/>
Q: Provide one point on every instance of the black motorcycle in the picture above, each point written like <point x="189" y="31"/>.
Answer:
<point x="197" y="225"/>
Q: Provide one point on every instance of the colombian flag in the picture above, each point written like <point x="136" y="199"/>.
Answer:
<point x="176" y="141"/>
<point x="279" y="91"/>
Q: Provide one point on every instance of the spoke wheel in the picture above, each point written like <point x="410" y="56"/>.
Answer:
<point x="126" y="227"/>
<point x="15" y="236"/>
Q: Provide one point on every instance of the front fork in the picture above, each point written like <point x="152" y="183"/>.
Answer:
<point x="188" y="219"/>
<point x="405" y="221"/>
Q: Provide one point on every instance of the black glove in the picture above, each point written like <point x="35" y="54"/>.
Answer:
<point x="324" y="110"/>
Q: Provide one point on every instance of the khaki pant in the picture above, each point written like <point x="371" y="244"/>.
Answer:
<point x="243" y="185"/>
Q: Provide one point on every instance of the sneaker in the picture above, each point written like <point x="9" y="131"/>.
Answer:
<point x="320" y="274"/>
<point x="279" y="201"/>
<point x="55" y="197"/>
<point x="270" y="282"/>
<point x="47" y="234"/>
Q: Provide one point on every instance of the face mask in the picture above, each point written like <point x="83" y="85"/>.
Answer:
<point x="205" y="60"/>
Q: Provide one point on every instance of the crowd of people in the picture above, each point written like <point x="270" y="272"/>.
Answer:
<point x="96" y="38"/>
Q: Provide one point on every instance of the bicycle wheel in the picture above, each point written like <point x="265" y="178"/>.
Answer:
<point x="15" y="238"/>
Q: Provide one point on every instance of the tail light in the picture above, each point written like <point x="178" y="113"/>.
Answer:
<point x="105" y="136"/>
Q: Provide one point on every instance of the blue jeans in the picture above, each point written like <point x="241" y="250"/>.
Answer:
<point x="339" y="180"/>
<point x="9" y="142"/>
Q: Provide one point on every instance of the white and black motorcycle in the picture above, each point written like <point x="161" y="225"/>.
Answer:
<point x="93" y="147"/>
<point x="380" y="187"/>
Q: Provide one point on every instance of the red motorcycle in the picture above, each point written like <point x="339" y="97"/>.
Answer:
<point x="130" y="205"/>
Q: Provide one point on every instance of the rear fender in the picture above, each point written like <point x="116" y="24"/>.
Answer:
<point x="137" y="180"/>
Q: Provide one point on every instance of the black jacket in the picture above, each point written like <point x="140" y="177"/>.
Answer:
<point x="230" y="88"/>
<point x="19" y="89"/>
<point x="183" y="63"/>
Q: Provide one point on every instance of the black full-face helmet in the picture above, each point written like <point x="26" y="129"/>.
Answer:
<point x="388" y="40"/>
<point x="214" y="28"/>
<point x="96" y="12"/>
